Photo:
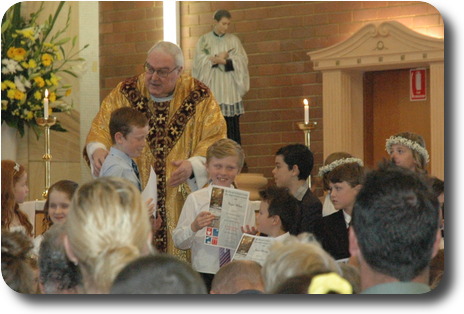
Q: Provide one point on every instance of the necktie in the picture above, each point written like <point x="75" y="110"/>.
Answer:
<point x="224" y="256"/>
<point x="136" y="171"/>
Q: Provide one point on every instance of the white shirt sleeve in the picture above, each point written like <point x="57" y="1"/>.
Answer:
<point x="199" y="171"/>
<point x="91" y="148"/>
<point x="183" y="234"/>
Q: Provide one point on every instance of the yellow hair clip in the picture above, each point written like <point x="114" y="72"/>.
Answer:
<point x="325" y="283"/>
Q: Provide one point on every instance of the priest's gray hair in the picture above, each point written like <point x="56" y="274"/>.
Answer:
<point x="171" y="49"/>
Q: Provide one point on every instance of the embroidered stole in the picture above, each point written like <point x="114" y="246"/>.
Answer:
<point x="162" y="137"/>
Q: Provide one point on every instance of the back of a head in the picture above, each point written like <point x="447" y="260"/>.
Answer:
<point x="395" y="219"/>
<point x="320" y="282"/>
<point x="57" y="274"/>
<point x="300" y="155"/>
<point x="158" y="274"/>
<point x="107" y="227"/>
<point x="17" y="265"/>
<point x="237" y="276"/>
<point x="293" y="257"/>
<point x="438" y="186"/>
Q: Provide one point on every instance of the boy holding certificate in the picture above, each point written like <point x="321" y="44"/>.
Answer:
<point x="224" y="161"/>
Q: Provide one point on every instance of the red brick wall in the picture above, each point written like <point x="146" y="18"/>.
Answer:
<point x="277" y="36"/>
<point x="127" y="30"/>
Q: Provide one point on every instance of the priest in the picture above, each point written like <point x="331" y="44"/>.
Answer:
<point x="184" y="120"/>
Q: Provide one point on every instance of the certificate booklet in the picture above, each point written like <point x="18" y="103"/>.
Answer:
<point x="254" y="248"/>
<point x="151" y="191"/>
<point x="230" y="207"/>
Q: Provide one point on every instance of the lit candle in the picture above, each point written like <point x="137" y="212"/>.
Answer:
<point x="306" y="111"/>
<point x="46" y="104"/>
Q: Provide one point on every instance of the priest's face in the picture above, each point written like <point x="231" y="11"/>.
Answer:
<point x="161" y="74"/>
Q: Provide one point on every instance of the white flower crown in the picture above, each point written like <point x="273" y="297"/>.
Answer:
<point x="16" y="167"/>
<point x="338" y="162"/>
<point x="408" y="143"/>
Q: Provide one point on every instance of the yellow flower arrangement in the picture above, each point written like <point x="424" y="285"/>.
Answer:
<point x="33" y="60"/>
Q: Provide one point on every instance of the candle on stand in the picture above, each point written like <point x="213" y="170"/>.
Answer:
<point x="46" y="104"/>
<point x="306" y="111"/>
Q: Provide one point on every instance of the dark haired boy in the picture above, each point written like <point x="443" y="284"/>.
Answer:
<point x="293" y="165"/>
<point x="277" y="213"/>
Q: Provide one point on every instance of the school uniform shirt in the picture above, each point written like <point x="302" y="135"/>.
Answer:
<point x="119" y="164"/>
<point x="282" y="237"/>
<point x="205" y="258"/>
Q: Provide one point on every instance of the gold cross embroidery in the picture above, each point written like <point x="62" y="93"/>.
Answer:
<point x="160" y="118"/>
<point x="174" y="131"/>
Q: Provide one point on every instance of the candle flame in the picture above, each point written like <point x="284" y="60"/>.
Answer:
<point x="46" y="93"/>
<point x="305" y="102"/>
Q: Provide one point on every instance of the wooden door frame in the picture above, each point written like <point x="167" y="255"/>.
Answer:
<point x="375" y="47"/>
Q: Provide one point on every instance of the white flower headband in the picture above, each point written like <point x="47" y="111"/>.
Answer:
<point x="338" y="162"/>
<point x="408" y="143"/>
<point x="16" y="167"/>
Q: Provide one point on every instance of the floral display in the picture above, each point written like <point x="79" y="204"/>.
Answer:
<point x="34" y="59"/>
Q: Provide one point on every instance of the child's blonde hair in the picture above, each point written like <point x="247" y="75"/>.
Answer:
<point x="225" y="148"/>
<point x="107" y="227"/>
<point x="296" y="256"/>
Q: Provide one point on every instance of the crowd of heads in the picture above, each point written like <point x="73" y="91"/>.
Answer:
<point x="96" y="248"/>
<point x="98" y="237"/>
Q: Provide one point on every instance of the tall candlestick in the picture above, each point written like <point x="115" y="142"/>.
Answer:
<point x="47" y="157"/>
<point x="306" y="111"/>
<point x="46" y="104"/>
<point x="307" y="127"/>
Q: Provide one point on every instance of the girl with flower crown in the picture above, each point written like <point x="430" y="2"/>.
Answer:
<point x="408" y="150"/>
<point x="14" y="192"/>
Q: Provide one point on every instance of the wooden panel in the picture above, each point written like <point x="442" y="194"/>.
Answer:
<point x="393" y="112"/>
<point x="39" y="216"/>
<point x="437" y="115"/>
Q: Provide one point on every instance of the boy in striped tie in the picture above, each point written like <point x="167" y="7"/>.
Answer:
<point x="224" y="161"/>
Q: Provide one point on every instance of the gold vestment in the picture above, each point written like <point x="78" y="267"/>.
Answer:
<point x="179" y="129"/>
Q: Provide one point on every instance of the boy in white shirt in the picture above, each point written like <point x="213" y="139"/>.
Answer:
<point x="224" y="161"/>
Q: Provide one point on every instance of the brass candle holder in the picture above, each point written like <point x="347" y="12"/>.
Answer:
<point x="47" y="157"/>
<point x="306" y="128"/>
